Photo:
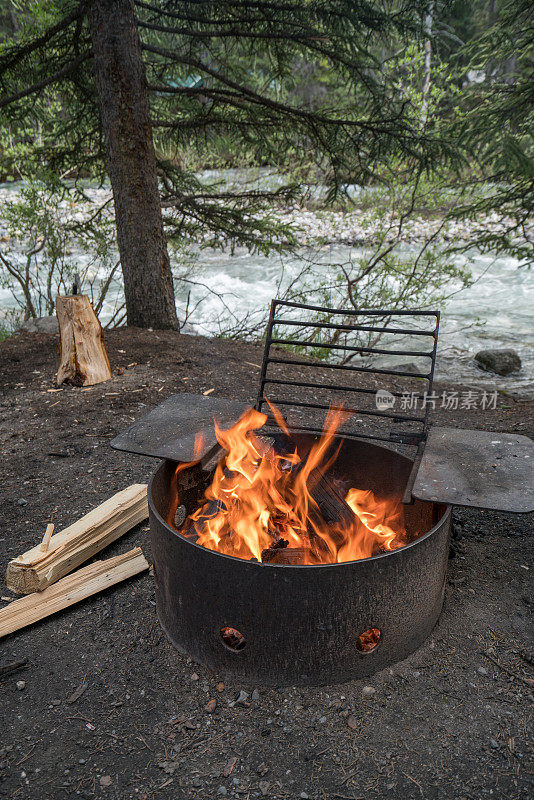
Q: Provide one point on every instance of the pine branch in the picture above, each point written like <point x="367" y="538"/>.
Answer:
<point x="185" y="14"/>
<point x="374" y="126"/>
<point x="54" y="78"/>
<point x="242" y="33"/>
<point x="16" y="53"/>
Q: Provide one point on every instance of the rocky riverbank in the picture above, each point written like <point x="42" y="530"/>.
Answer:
<point x="357" y="227"/>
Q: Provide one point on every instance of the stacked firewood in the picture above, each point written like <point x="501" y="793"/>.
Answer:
<point x="44" y="573"/>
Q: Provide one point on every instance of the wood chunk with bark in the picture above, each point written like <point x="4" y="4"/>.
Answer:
<point x="271" y="553"/>
<point x="333" y="508"/>
<point x="82" y="353"/>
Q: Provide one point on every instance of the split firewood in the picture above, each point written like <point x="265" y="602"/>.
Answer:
<point x="82" y="353"/>
<point x="271" y="553"/>
<point x="70" y="590"/>
<point x="45" y="544"/>
<point x="36" y="569"/>
<point x="209" y="460"/>
<point x="210" y="509"/>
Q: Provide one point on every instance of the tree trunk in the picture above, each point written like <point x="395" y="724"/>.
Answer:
<point x="427" y="62"/>
<point x="121" y="84"/>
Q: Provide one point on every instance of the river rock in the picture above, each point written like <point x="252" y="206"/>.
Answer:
<point x="502" y="362"/>
<point x="40" y="325"/>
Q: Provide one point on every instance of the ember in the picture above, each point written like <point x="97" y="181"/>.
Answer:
<point x="282" y="508"/>
<point x="368" y="640"/>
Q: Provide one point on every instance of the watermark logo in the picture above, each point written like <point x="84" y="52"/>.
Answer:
<point x="384" y="400"/>
<point x="449" y="400"/>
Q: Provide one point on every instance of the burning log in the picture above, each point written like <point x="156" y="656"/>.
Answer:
<point x="45" y="563"/>
<point x="289" y="555"/>
<point x="268" y="502"/>
<point x="271" y="553"/>
<point x="333" y="507"/>
<point x="82" y="353"/>
<point x="328" y="508"/>
<point x="72" y="589"/>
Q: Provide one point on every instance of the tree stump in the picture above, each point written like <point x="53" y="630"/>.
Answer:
<point x="82" y="353"/>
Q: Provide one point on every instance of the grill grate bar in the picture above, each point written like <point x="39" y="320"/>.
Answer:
<point x="323" y="407"/>
<point x="412" y="438"/>
<point x="370" y="328"/>
<point x="374" y="350"/>
<point x="357" y="389"/>
<point x="364" y="312"/>
<point x="348" y="367"/>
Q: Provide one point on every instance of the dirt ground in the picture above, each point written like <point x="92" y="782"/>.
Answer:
<point x="452" y="721"/>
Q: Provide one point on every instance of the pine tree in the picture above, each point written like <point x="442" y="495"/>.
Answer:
<point x="497" y="128"/>
<point x="134" y="84"/>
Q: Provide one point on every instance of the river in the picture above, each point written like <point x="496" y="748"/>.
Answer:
<point x="496" y="311"/>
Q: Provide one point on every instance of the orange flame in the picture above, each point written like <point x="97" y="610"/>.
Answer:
<point x="199" y="445"/>
<point x="266" y="506"/>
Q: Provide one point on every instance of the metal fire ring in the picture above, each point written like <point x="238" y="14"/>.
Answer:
<point x="301" y="625"/>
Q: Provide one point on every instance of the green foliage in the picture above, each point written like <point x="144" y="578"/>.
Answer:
<point x="295" y="85"/>
<point x="320" y="92"/>
<point x="48" y="103"/>
<point x="497" y="130"/>
<point x="387" y="275"/>
<point x="52" y="236"/>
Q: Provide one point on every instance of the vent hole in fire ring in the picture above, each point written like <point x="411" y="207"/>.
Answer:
<point x="232" y="639"/>
<point x="368" y="640"/>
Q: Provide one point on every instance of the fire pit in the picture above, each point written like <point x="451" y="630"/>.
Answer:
<point x="300" y="624"/>
<point x="287" y="556"/>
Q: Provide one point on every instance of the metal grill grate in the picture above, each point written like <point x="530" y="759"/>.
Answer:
<point x="305" y="396"/>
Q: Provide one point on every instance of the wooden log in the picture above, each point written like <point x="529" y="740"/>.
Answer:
<point x="70" y="590"/>
<point x="270" y="553"/>
<point x="36" y="569"/>
<point x="82" y="353"/>
<point x="289" y="556"/>
<point x="333" y="507"/>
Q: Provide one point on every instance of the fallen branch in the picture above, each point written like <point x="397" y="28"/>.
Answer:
<point x="7" y="669"/>
<point x="45" y="563"/>
<point x="70" y="590"/>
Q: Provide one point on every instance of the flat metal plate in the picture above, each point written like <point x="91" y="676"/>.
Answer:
<point x="477" y="468"/>
<point x="170" y="429"/>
